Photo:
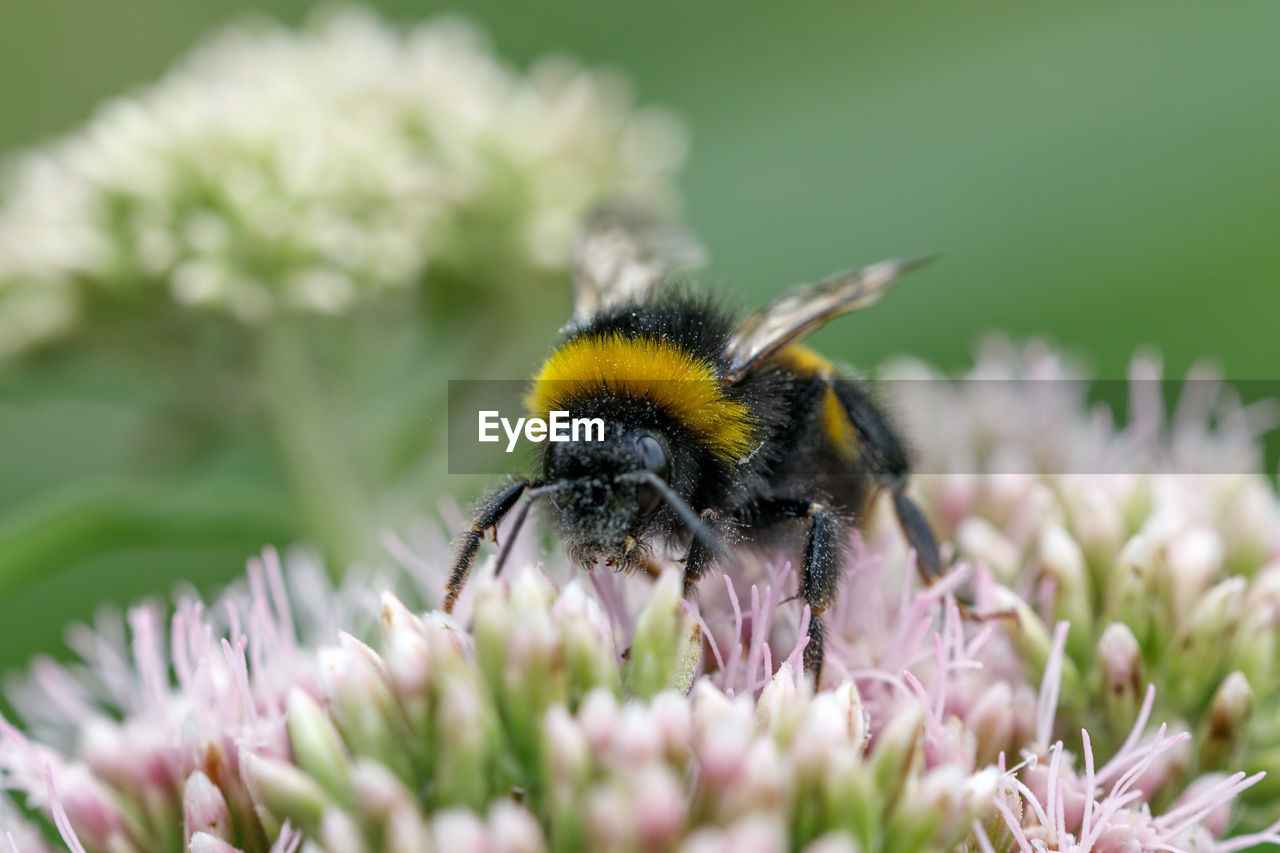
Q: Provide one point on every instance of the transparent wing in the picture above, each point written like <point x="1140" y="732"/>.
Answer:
<point x="623" y="253"/>
<point x="806" y="307"/>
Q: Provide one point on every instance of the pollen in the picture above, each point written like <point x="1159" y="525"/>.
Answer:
<point x="684" y="385"/>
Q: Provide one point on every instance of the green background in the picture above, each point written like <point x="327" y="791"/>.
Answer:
<point x="1102" y="173"/>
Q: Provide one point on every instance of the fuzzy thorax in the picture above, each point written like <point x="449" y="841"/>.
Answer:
<point x="687" y="387"/>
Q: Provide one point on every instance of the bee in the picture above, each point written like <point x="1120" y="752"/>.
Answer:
<point x="717" y="431"/>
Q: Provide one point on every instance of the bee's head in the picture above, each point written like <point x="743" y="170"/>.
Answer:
<point x="610" y="494"/>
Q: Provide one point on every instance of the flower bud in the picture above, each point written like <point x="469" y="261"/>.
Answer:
<point x="1225" y="733"/>
<point x="652" y="663"/>
<point x="128" y="755"/>
<point x="1206" y="635"/>
<point x="587" y="639"/>
<point x="451" y="647"/>
<point x="757" y="833"/>
<point x="937" y="809"/>
<point x="1264" y="592"/>
<point x="1009" y="490"/>
<point x="362" y="706"/>
<point x="317" y="746"/>
<point x="1064" y="562"/>
<point x="518" y="648"/>
<point x="566" y="769"/>
<point x="723" y="729"/>
<point x="204" y="809"/>
<point x="833" y="842"/>
<point x="407" y="832"/>
<point x="1254" y="647"/>
<point x="203" y="842"/>
<point x="1193" y="560"/>
<point x="1097" y="523"/>
<point x="284" y="791"/>
<point x="513" y="830"/>
<point x="1120" y="668"/>
<point x="660" y="805"/>
<point x="835" y="720"/>
<point x="1119" y="659"/>
<point x="378" y="793"/>
<point x="980" y="540"/>
<point x="1033" y="640"/>
<point x="671" y="717"/>
<point x="779" y="708"/>
<point x="466" y="738"/>
<point x="1249" y="522"/>
<point x="635" y="740"/>
<point x="688" y="655"/>
<point x="1128" y="593"/>
<point x="897" y="753"/>
<point x="981" y="790"/>
<point x="407" y="654"/>
<point x="991" y="720"/>
<point x="91" y="808"/>
<point x="567" y="753"/>
<point x="851" y="780"/>
<point x="609" y="817"/>
<point x="765" y="783"/>
<point x="339" y="832"/>
<point x="458" y="829"/>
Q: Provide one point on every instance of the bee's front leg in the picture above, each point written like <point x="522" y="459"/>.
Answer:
<point x="701" y="555"/>
<point x="489" y="512"/>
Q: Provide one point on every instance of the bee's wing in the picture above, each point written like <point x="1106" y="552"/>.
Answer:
<point x="805" y="308"/>
<point x="622" y="254"/>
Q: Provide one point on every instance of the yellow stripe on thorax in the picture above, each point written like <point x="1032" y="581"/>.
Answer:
<point x="685" y="386"/>
<point x="836" y="427"/>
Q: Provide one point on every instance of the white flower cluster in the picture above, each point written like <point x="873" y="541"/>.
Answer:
<point x="275" y="170"/>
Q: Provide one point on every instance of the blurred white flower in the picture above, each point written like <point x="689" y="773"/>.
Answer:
<point x="276" y="171"/>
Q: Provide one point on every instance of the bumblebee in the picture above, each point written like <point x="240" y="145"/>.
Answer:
<point x="717" y="432"/>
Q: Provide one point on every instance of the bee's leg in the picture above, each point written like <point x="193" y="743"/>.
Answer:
<point x="823" y="558"/>
<point x="887" y="460"/>
<point x="700" y="556"/>
<point x="491" y="510"/>
<point x="651" y="567"/>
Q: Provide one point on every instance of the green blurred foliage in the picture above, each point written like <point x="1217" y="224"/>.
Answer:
<point x="1099" y="172"/>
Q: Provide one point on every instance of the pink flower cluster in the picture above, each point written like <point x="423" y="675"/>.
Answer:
<point x="1096" y="672"/>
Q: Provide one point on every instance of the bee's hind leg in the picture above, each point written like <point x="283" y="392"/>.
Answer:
<point x="887" y="460"/>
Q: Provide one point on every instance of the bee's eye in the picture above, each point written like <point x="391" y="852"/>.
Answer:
<point x="653" y="454"/>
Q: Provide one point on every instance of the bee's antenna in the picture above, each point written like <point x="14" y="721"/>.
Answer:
<point x="690" y="518"/>
<point x="518" y="521"/>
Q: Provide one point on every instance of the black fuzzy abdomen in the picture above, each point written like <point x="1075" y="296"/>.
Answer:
<point x="816" y="453"/>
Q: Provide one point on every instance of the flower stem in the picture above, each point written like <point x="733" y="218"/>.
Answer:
<point x="309" y="442"/>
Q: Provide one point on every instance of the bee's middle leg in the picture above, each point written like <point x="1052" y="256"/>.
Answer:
<point x="823" y="559"/>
